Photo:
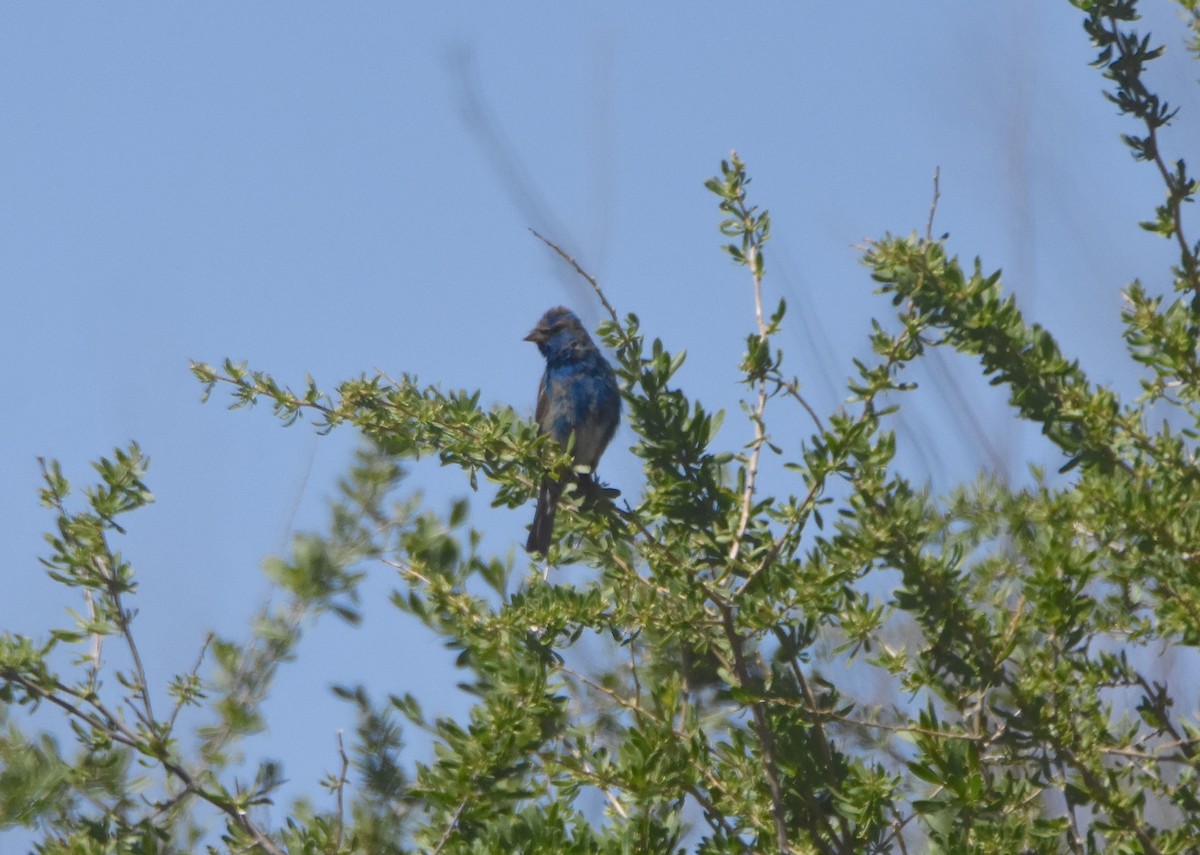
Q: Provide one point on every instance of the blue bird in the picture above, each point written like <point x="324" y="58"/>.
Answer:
<point x="578" y="395"/>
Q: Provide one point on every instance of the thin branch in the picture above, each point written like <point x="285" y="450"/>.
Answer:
<point x="1126" y="819"/>
<point x="340" y="823"/>
<point x="445" y="838"/>
<point x="103" y="721"/>
<point x="868" y="412"/>
<point x="898" y="828"/>
<point x="638" y="710"/>
<point x="793" y="389"/>
<point x="633" y="706"/>
<point x="760" y="428"/>
<point x="937" y="194"/>
<point x="254" y="385"/>
<point x="760" y="436"/>
<point x="193" y="674"/>
<point x="591" y="279"/>
<point x="109" y="729"/>
<point x="766" y="736"/>
<point x="713" y="816"/>
<point x="1158" y="754"/>
<point x="406" y="570"/>
<point x="633" y="672"/>
<point x="104" y="567"/>
<point x="97" y="640"/>
<point x="777" y="547"/>
<point x="1189" y="269"/>
<point x="1074" y="838"/>
<point x="822" y="739"/>
<point x="1184" y="744"/>
<point x="603" y="784"/>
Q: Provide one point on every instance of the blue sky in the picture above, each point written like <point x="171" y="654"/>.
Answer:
<point x="337" y="188"/>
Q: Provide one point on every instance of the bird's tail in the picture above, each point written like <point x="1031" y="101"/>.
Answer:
<point x="543" y="517"/>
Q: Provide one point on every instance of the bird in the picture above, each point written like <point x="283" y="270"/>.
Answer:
<point x="578" y="396"/>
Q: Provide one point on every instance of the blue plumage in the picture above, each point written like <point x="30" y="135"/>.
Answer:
<point x="578" y="395"/>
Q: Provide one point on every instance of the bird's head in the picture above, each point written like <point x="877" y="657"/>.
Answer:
<point x="558" y="329"/>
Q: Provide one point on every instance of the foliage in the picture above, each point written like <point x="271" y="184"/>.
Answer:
<point x="710" y="680"/>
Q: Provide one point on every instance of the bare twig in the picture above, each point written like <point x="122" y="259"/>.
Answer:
<point x="793" y="389"/>
<point x="1190" y="269"/>
<point x="601" y="783"/>
<point x="445" y="838"/>
<point x="341" y="788"/>
<point x="937" y="194"/>
<point x="97" y="640"/>
<point x="898" y="829"/>
<point x="713" y="816"/>
<point x="633" y="672"/>
<point x="822" y="740"/>
<point x="766" y="736"/>
<point x="591" y="279"/>
<point x="633" y="706"/>
<point x="193" y="673"/>
<point x="107" y="572"/>
<point x="406" y="570"/>
<point x="760" y="406"/>
<point x="1074" y="838"/>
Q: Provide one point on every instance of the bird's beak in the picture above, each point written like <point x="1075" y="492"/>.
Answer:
<point x="537" y="336"/>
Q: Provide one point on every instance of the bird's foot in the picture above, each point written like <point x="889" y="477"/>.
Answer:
<point x="592" y="491"/>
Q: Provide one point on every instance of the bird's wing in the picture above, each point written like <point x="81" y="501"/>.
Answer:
<point x="543" y="404"/>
